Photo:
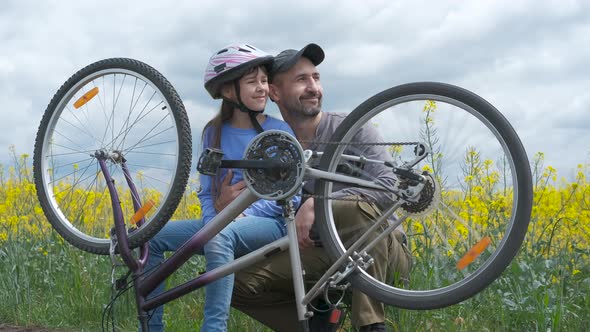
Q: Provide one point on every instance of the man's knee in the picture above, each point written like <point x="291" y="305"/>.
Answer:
<point x="355" y="213"/>
<point x="253" y="284"/>
<point x="246" y="287"/>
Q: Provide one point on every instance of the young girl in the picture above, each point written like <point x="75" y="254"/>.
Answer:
<point x="237" y="74"/>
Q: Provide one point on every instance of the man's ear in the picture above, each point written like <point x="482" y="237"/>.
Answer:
<point x="273" y="92"/>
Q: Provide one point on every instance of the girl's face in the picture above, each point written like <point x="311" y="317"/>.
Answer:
<point x="254" y="89"/>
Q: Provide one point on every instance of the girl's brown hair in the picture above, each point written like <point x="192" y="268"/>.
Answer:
<point x="225" y="113"/>
<point x="214" y="137"/>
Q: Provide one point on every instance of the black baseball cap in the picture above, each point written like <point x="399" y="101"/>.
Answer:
<point x="288" y="58"/>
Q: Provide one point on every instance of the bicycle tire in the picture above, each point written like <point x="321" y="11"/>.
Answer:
<point x="80" y="213"/>
<point x="436" y="286"/>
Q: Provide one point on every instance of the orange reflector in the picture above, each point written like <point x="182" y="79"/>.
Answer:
<point x="142" y="211"/>
<point x="86" y="98"/>
<point x="474" y="252"/>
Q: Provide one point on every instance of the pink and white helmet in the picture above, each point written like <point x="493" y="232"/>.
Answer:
<point x="231" y="63"/>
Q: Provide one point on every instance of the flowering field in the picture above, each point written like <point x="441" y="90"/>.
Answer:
<point x="46" y="282"/>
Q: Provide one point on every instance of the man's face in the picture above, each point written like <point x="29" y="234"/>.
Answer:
<point x="298" y="90"/>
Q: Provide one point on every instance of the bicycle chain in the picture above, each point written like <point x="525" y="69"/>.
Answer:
<point x="358" y="143"/>
<point x="353" y="144"/>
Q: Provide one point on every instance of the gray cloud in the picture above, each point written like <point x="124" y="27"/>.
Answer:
<point x="528" y="58"/>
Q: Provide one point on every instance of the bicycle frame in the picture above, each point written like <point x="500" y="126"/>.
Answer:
<point x="472" y="247"/>
<point x="145" y="285"/>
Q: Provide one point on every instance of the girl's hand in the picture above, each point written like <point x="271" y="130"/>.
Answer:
<point x="227" y="192"/>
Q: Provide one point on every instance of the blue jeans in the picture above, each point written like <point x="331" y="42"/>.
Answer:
<point x="240" y="237"/>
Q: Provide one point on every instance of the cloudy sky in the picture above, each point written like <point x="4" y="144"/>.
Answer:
<point x="531" y="59"/>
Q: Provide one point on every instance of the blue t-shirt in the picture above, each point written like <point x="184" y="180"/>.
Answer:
<point x="233" y="144"/>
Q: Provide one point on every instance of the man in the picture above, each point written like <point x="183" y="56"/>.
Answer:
<point x="265" y="291"/>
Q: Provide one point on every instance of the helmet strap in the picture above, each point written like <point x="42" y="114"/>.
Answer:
<point x="240" y="105"/>
<point x="255" y="122"/>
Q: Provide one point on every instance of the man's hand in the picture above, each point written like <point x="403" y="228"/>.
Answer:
<point x="303" y="220"/>
<point x="227" y="192"/>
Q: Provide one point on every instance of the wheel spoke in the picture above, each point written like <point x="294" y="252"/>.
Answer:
<point x="117" y="104"/>
<point x="455" y="210"/>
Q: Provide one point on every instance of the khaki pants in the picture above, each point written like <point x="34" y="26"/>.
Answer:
<point x="265" y="290"/>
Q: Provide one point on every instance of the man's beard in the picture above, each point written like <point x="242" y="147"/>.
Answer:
<point x="311" y="111"/>
<point x="298" y="109"/>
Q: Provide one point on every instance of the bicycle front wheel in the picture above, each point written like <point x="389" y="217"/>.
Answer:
<point x="119" y="107"/>
<point x="468" y="221"/>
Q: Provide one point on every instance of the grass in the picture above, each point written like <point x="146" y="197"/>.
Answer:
<point x="51" y="284"/>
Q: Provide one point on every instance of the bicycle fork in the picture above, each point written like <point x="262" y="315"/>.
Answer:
<point x="121" y="238"/>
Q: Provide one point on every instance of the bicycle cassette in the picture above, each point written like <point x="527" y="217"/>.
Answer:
<point x="280" y="182"/>
<point x="428" y="200"/>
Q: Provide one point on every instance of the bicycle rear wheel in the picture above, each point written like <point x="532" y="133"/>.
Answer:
<point x="120" y="106"/>
<point x="469" y="222"/>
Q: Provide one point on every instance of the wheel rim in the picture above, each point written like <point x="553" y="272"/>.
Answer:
<point x="430" y="275"/>
<point x="130" y="115"/>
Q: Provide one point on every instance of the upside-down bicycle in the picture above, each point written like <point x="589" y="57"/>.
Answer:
<point x="459" y="184"/>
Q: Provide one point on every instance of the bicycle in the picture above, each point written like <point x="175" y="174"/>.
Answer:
<point x="463" y="196"/>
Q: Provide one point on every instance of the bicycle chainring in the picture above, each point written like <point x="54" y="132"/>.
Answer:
<point x="275" y="183"/>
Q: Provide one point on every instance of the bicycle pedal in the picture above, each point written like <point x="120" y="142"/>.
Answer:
<point x="209" y="161"/>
